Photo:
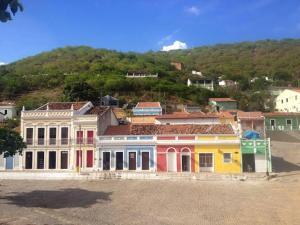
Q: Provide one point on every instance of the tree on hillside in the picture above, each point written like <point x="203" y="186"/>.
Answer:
<point x="11" y="142"/>
<point x="9" y="8"/>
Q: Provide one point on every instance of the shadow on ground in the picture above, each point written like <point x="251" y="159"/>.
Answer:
<point x="281" y="165"/>
<point x="66" y="198"/>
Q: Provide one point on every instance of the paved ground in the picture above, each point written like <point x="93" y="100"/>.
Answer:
<point x="151" y="202"/>
<point x="159" y="202"/>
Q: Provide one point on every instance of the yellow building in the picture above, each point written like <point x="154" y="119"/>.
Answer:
<point x="220" y="154"/>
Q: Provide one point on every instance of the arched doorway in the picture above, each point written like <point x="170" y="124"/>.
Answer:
<point x="185" y="160"/>
<point x="171" y="160"/>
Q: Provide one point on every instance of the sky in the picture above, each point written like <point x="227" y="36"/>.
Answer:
<point x="144" y="25"/>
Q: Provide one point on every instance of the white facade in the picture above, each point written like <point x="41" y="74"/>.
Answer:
<point x="63" y="139"/>
<point x="288" y="101"/>
<point x="7" y="111"/>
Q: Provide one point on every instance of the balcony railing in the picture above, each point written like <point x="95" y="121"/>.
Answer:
<point x="60" y="142"/>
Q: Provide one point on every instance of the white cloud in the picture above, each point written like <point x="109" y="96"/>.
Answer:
<point x="175" y="46"/>
<point x="2" y="63"/>
<point x="194" y="10"/>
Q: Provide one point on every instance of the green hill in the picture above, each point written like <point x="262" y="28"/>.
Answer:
<point x="81" y="73"/>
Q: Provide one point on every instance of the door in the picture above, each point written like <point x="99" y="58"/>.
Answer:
<point x="185" y="163"/>
<point x="248" y="163"/>
<point x="106" y="160"/>
<point x="132" y="160"/>
<point x="206" y="162"/>
<point x="9" y="163"/>
<point x="40" y="160"/>
<point x="89" y="158"/>
<point x="28" y="160"/>
<point x="145" y="160"/>
<point x="119" y="161"/>
<point x="172" y="166"/>
<point x="64" y="160"/>
<point x="52" y="160"/>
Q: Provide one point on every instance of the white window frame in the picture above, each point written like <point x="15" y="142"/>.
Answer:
<point x="136" y="155"/>
<point x="141" y="159"/>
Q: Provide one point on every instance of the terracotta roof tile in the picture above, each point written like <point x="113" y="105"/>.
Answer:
<point x="97" y="110"/>
<point x="250" y="115"/>
<point x="148" y="105"/>
<point x="281" y="114"/>
<point x="169" y="129"/>
<point x="186" y="116"/>
<point x="222" y="99"/>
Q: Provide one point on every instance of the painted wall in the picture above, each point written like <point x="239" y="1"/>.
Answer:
<point x="126" y="149"/>
<point x="224" y="105"/>
<point x="281" y="122"/>
<point x="162" y="151"/>
<point x="147" y="111"/>
<point x="218" y="160"/>
<point x="7" y="112"/>
<point x="288" y="101"/>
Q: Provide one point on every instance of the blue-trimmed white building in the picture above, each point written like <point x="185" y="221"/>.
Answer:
<point x="147" y="109"/>
<point x="123" y="153"/>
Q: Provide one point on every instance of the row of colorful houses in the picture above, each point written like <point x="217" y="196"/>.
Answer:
<point x="76" y="136"/>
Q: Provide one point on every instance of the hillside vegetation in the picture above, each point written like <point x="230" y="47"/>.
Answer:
<point x="84" y="73"/>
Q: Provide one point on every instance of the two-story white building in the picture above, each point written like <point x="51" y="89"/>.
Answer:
<point x="61" y="136"/>
<point x="288" y="101"/>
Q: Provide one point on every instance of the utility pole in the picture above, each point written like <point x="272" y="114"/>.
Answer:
<point x="80" y="152"/>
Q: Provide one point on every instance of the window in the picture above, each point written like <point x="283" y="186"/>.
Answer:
<point x="52" y="136"/>
<point x="29" y="136"/>
<point x="79" y="137"/>
<point x="282" y="101"/>
<point x="272" y="123"/>
<point x="227" y="157"/>
<point x="5" y="112"/>
<point x="64" y="135"/>
<point x="296" y="97"/>
<point x="41" y="136"/>
<point x="287" y="100"/>
<point x="288" y="122"/>
<point x="90" y="136"/>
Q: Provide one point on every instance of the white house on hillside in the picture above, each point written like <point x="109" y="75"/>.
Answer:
<point x="288" y="101"/>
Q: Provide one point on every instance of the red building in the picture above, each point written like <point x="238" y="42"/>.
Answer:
<point x="175" y="158"/>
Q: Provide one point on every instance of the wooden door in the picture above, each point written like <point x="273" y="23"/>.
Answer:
<point x="106" y="160"/>
<point x="89" y="158"/>
<point x="64" y="160"/>
<point x="119" y="160"/>
<point x="40" y="160"/>
<point x="28" y="160"/>
<point x="145" y="160"/>
<point x="52" y="160"/>
<point x="132" y="160"/>
<point x="185" y="163"/>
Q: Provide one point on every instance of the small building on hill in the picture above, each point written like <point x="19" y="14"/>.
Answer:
<point x="7" y="111"/>
<point x="178" y="65"/>
<point x="282" y="121"/>
<point x="288" y="101"/>
<point x="147" y="109"/>
<point x="110" y="101"/>
<point x="251" y="121"/>
<point x="219" y="104"/>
